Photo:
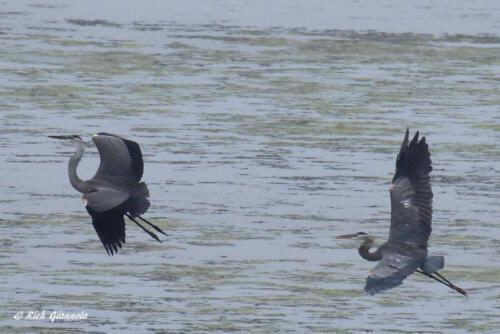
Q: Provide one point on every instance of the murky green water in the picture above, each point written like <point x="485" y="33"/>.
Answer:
<point x="261" y="144"/>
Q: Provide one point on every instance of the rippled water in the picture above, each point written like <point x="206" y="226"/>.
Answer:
<point x="262" y="141"/>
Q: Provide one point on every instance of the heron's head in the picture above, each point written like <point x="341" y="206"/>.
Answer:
<point x="362" y="236"/>
<point x="71" y="138"/>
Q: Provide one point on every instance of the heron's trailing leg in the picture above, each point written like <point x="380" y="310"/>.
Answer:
<point x="433" y="277"/>
<point x="153" y="226"/>
<point x="444" y="281"/>
<point x="451" y="285"/>
<point x="154" y="236"/>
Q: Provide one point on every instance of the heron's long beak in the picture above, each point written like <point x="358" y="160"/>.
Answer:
<point x="353" y="235"/>
<point x="71" y="138"/>
<point x="61" y="137"/>
<point x="347" y="236"/>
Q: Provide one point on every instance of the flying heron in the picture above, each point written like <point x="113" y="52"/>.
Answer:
<point x="411" y="216"/>
<point x="115" y="190"/>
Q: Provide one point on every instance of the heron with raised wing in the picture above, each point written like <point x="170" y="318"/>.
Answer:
<point x="115" y="190"/>
<point x="405" y="251"/>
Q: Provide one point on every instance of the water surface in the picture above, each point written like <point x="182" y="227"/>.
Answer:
<point x="263" y="139"/>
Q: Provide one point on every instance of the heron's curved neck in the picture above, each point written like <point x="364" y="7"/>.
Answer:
<point x="364" y="250"/>
<point x="76" y="182"/>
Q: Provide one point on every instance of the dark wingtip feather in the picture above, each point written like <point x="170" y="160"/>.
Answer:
<point x="405" y="140"/>
<point x="404" y="145"/>
<point x="110" y="227"/>
<point x="412" y="156"/>
<point x="136" y="156"/>
<point x="414" y="141"/>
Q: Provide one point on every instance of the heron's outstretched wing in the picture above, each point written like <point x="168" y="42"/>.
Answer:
<point x="121" y="159"/>
<point x="390" y="271"/>
<point x="411" y="196"/>
<point x="110" y="227"/>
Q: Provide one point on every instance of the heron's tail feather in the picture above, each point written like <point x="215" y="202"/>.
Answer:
<point x="433" y="263"/>
<point x="142" y="189"/>
<point x="139" y="200"/>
